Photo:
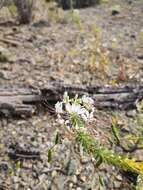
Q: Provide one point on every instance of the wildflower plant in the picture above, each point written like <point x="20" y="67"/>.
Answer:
<point x="75" y="112"/>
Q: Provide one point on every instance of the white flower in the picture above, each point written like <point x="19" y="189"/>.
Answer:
<point x="79" y="110"/>
<point x="66" y="98"/>
<point x="59" y="107"/>
<point x="73" y="108"/>
<point x="81" y="107"/>
<point x="91" y="115"/>
<point x="65" y="94"/>
<point x="86" y="115"/>
<point x="87" y="100"/>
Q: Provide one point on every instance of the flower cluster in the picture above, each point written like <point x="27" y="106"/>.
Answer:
<point x="75" y="112"/>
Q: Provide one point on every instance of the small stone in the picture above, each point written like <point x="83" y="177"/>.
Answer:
<point x="15" y="179"/>
<point x="139" y="154"/>
<point x="140" y="57"/>
<point x="119" y="177"/>
<point x="6" y="55"/>
<point x="21" y="122"/>
<point x="54" y="174"/>
<point x="85" y="159"/>
<point x="78" y="188"/>
<point x="115" y="10"/>
<point x="130" y="2"/>
<point x="83" y="178"/>
<point x="14" y="132"/>
<point x="114" y="39"/>
<point x="70" y="185"/>
<point x="74" y="179"/>
<point x="3" y="167"/>
<point x="72" y="167"/>
<point x="34" y="143"/>
<point x="42" y="178"/>
<point x="117" y="184"/>
<point x="78" y="172"/>
<point x="131" y="113"/>
<point x="1" y="74"/>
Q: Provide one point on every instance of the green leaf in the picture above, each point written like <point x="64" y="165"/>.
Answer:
<point x="99" y="161"/>
<point x="18" y="164"/>
<point x="57" y="138"/>
<point x="49" y="155"/>
<point x="76" y="120"/>
<point x="115" y="131"/>
<point x="101" y="181"/>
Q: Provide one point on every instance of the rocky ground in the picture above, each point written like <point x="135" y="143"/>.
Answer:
<point x="104" y="46"/>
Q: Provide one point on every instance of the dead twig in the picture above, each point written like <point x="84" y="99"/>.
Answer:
<point x="10" y="42"/>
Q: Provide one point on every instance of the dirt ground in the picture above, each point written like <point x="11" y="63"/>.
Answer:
<point x="63" y="51"/>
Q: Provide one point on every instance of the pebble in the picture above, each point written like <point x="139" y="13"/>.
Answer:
<point x="117" y="184"/>
<point x="85" y="159"/>
<point x="83" y="178"/>
<point x="119" y="177"/>
<point x="131" y="113"/>
<point x="74" y="179"/>
<point x="115" y="10"/>
<point x="73" y="167"/>
<point x="42" y="178"/>
<point x="70" y="185"/>
<point x="15" y="179"/>
<point x="78" y="188"/>
<point x="54" y="174"/>
<point x="3" y="167"/>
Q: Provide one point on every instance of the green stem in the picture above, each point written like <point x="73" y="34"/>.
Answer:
<point x="103" y="155"/>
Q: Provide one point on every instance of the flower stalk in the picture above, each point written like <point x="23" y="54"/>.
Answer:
<point x="75" y="113"/>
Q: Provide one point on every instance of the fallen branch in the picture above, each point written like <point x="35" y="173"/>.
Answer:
<point x="10" y="42"/>
<point x="25" y="101"/>
<point x="18" y="101"/>
<point x="125" y="97"/>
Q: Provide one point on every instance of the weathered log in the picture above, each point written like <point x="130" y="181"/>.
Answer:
<point x="16" y="101"/>
<point x="125" y="97"/>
